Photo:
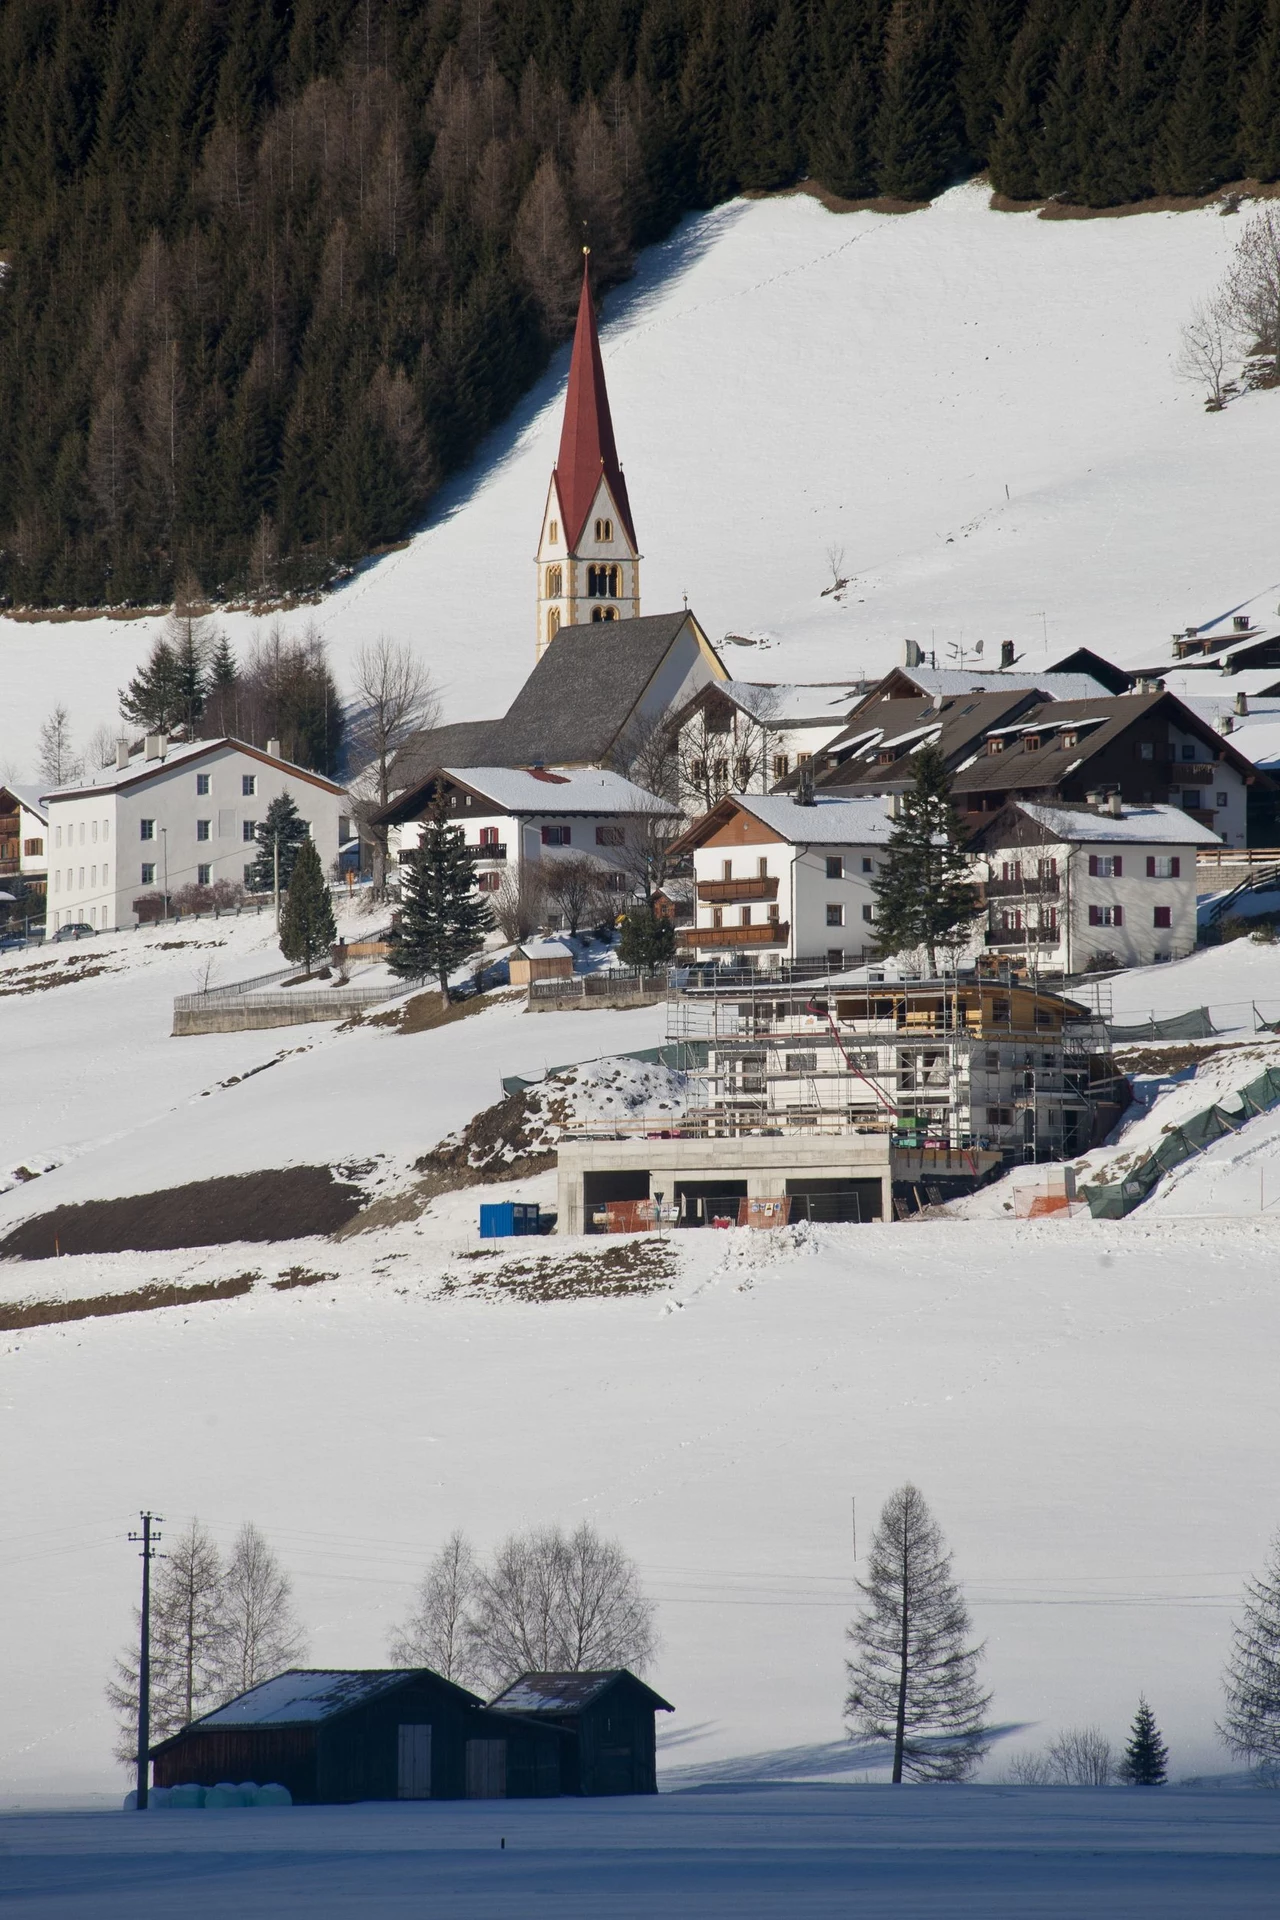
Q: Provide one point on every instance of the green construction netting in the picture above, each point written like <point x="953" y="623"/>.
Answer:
<point x="1195" y="1025"/>
<point x="1113" y="1200"/>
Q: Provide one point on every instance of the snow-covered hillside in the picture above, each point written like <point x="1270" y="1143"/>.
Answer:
<point x="977" y="410"/>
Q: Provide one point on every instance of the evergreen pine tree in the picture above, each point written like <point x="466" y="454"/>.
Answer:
<point x="912" y="1679"/>
<point x="1258" y="145"/>
<point x="443" y="920"/>
<point x="647" y="940"/>
<point x="1193" y="148"/>
<point x="917" y="132"/>
<point x="924" y="896"/>
<point x="842" y="152"/>
<point x="189" y="647"/>
<point x="307" y="926"/>
<point x="1014" y="148"/>
<point x="1145" y="1762"/>
<point x="153" y="698"/>
<point x="283" y="827"/>
<point x="1251" y="1724"/>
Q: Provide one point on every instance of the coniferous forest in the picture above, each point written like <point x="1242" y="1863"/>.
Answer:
<point x="273" y="270"/>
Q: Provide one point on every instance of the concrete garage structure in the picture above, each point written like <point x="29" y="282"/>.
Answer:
<point x="855" y="1167"/>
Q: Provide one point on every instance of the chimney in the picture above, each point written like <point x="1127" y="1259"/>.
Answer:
<point x="1006" y="654"/>
<point x="122" y="755"/>
<point x="1096" y="799"/>
<point x="273" y="748"/>
<point x="154" y="746"/>
<point x="803" y="795"/>
<point x="935" y="701"/>
<point x="895" y="806"/>
<point x="1115" y="806"/>
<point x="1225" y="723"/>
<point x="1242" y="704"/>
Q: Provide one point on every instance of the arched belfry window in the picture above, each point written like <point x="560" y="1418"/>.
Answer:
<point x="604" y="613"/>
<point x="553" y="623"/>
<point x="604" y="582"/>
<point x="604" y="529"/>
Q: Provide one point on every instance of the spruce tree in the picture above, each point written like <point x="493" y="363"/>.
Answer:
<point x="647" y="940"/>
<point x="1251" y="1723"/>
<point x="917" y="130"/>
<point x="1145" y="1762"/>
<point x="1259" y="135"/>
<point x="924" y="896"/>
<point x="153" y="698"/>
<point x="307" y="926"/>
<point x="283" y="827"/>
<point x="912" y="1678"/>
<point x="443" y="920"/>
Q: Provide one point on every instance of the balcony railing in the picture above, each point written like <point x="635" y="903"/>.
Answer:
<point x="1023" y="936"/>
<point x="1027" y="883"/>
<point x="771" y="933"/>
<point x="495" y="851"/>
<point x="758" y="887"/>
<point x="9" y="866"/>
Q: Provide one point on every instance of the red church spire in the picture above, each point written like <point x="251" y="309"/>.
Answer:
<point x="587" y="448"/>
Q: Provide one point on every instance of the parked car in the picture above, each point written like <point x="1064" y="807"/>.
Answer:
<point x="74" y="930"/>
<point x="8" y="941"/>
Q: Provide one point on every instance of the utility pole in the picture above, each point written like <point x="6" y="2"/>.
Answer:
<point x="164" y="841"/>
<point x="148" y="1554"/>
<point x="275" y="870"/>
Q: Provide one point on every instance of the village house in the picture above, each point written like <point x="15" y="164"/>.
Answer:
<point x="782" y="877"/>
<point x="520" y="821"/>
<point x="24" y="836"/>
<point x="170" y="817"/>
<point x="746" y="736"/>
<point x="1072" y="885"/>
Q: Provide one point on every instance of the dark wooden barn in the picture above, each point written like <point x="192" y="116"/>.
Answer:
<point x="610" y="1718"/>
<point x="381" y="1734"/>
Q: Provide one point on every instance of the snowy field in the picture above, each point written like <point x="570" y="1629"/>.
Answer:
<point x="924" y="1854"/>
<point x="977" y="409"/>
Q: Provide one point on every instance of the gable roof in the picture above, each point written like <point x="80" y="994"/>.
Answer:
<point x="307" y="1696"/>
<point x="587" y="450"/>
<point x="958" y="723"/>
<point x="523" y="790"/>
<point x="586" y="688"/>
<point x="464" y="743"/>
<point x="28" y="797"/>
<point x="1084" y="660"/>
<point x="1053" y="685"/>
<point x="1107" y="721"/>
<point x="832" y="821"/>
<point x="787" y="703"/>
<point x="569" y="1692"/>
<point x="140" y="769"/>
<point x="1155" y="825"/>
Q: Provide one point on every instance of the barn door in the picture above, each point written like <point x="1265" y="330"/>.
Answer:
<point x="414" y="1781"/>
<point x="486" y="1769"/>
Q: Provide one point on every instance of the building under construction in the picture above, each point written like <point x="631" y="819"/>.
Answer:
<point x="850" y="1099"/>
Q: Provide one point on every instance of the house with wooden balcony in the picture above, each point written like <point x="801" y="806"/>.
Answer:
<point x="785" y="877"/>
<point x="1067" y="885"/>
<point x="24" y="848"/>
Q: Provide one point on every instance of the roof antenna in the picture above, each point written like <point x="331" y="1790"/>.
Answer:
<point x="685" y="597"/>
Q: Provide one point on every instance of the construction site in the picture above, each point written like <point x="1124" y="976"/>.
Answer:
<point x="847" y="1098"/>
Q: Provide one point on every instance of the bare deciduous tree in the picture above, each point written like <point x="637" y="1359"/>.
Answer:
<point x="721" y="752"/>
<point x="1250" y="1725"/>
<point x="394" y="699"/>
<point x="58" y="762"/>
<point x="187" y="1644"/>
<point x="648" y="753"/>
<point x="912" y="1678"/>
<point x="438" y="1632"/>
<point x="1253" y="283"/>
<point x="555" y="1603"/>
<point x="262" y="1633"/>
<point x="575" y="890"/>
<point x="100" y="749"/>
<point x="1080" y="1757"/>
<point x="1205" y="349"/>
<point x="645" y="855"/>
<point x="519" y="903"/>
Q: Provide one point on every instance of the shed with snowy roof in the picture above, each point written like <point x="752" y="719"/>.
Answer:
<point x="372" y="1734"/>
<point x="610" y="1719"/>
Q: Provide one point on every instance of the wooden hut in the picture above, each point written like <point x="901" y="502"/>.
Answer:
<point x="380" y="1734"/>
<point x="610" y="1718"/>
<point x="540" y="960"/>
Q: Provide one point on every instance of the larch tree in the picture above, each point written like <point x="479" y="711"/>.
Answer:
<point x="57" y="760"/>
<point x="551" y="1602"/>
<point x="913" y="1675"/>
<point x="1250" y="1724"/>
<point x="394" y="699"/>
<point x="443" y="920"/>
<point x="924" y="897"/>
<point x="188" y="1643"/>
<point x="261" y="1632"/>
<point x="438" y="1631"/>
<point x="1145" y="1761"/>
<point x="307" y="925"/>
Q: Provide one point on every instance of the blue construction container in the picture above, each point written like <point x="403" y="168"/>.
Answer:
<point x="499" y="1220"/>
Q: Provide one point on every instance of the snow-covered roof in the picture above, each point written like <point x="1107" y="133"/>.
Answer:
<point x="1259" y="740"/>
<point x="950" y="680"/>
<point x="1162" y="825"/>
<point x="111" y="779"/>
<point x="556" y="790"/>
<point x="28" y="797"/>
<point x="792" y="704"/>
<point x="831" y="821"/>
<point x="303" y="1696"/>
<point x="566" y="1692"/>
<point x="545" y="947"/>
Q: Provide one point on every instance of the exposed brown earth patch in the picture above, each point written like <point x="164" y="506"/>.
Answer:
<point x="287" y="1203"/>
<point x="636" y="1266"/>
<point x="51" y="1313"/>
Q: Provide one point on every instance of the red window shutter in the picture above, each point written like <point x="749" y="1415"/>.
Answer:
<point x="564" y="836"/>
<point x="1151" y="866"/>
<point x="1117" y="917"/>
<point x="1117" y="866"/>
<point x="1177" y="866"/>
<point x="547" y="841"/>
<point x="1163" y="917"/>
<point x="1095" y="916"/>
<point x="1093" y="873"/>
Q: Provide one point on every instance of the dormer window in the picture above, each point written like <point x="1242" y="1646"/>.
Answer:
<point x="604" y="529"/>
<point x="1069" y="738"/>
<point x="1032" y="743"/>
<point x="996" y="745"/>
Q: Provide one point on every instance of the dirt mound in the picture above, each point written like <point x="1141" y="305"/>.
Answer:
<point x="51" y="1313"/>
<point x="287" y="1203"/>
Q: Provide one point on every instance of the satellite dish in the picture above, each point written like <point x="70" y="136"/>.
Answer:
<point x="977" y="646"/>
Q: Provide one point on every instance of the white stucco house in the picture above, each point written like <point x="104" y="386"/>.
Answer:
<point x="169" y="817"/>
<point x="519" y="820"/>
<point x="777" y="878"/>
<point x="1067" y="884"/>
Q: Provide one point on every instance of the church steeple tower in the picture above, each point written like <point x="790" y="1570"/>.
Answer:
<point x="588" y="561"/>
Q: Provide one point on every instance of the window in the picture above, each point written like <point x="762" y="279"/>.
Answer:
<point x="32" y="849"/>
<point x="553" y="532"/>
<point x="249" y="830"/>
<point x="555" y="836"/>
<point x="488" y="836"/>
<point x="106" y="829"/>
<point x="1162" y="917"/>
<point x="204" y="829"/>
<point x="804" y="760"/>
<point x="202" y="783"/>
<point x="868" y="866"/>
<point x="106" y="874"/>
<point x="1047" y="869"/>
<point x="555" y="583"/>
<point x="835" y="916"/>
<point x="95" y="831"/>
<point x="1106" y="916"/>
<point x="604" y="613"/>
<point x="608" y="837"/>
<point x="1146" y="749"/>
<point x="1011" y="870"/>
<point x="553" y="624"/>
<point x="248" y="784"/>
<point x="82" y="833"/>
<point x="616" y="883"/>
<point x="57" y="881"/>
<point x="82" y="879"/>
<point x="146" y="829"/>
<point x="1222" y="799"/>
<point x="604" y="582"/>
<point x="993" y="1060"/>
<point x="604" y="529"/>
<point x="204" y="874"/>
<point x="1070" y="737"/>
<point x="489" y="882"/>
<point x="773" y="916"/>
<point x="802" y="1063"/>
<point x="1105" y="866"/>
<point x="995" y="746"/>
<point x="868" y="913"/>
<point x="1031" y="741"/>
<point x="1191" y="799"/>
<point x="1163" y="866"/>
<point x="999" y="1116"/>
<point x="93" y="876"/>
<point x="835" y="867"/>
<point x="726" y="869"/>
<point x="1011" y="920"/>
<point x="717" y="916"/>
<point x="745" y="916"/>
<point x="762" y="868"/>
<point x="781" y="765"/>
<point x="58" y="839"/>
<point x="835" y="956"/>
<point x="1188" y="750"/>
